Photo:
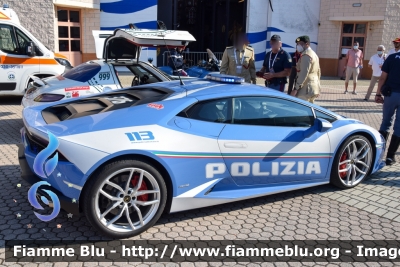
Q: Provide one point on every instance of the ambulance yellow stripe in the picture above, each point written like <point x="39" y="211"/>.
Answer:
<point x="27" y="61"/>
<point x="2" y="16"/>
<point x="60" y="55"/>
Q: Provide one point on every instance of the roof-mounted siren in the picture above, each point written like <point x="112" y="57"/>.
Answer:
<point x="9" y="14"/>
<point x="225" y="78"/>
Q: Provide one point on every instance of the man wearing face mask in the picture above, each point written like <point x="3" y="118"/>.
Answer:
<point x="375" y="62"/>
<point x="277" y="65"/>
<point x="353" y="65"/>
<point x="307" y="85"/>
<point x="396" y="49"/>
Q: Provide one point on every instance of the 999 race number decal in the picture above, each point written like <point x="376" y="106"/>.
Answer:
<point x="104" y="76"/>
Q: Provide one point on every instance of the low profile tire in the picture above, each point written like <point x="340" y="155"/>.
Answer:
<point x="352" y="162"/>
<point x="125" y="198"/>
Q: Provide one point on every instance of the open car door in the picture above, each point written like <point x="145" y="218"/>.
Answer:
<point x="123" y="44"/>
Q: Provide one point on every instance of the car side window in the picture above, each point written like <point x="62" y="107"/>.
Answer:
<point x="22" y="40"/>
<point x="134" y="75"/>
<point x="217" y="110"/>
<point x="270" y="111"/>
<point x="324" y="116"/>
<point x="8" y="43"/>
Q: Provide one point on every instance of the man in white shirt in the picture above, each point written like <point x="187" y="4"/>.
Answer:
<point x="376" y="62"/>
<point x="396" y="49"/>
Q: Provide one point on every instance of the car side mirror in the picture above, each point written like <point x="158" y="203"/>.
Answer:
<point x="31" y="49"/>
<point x="320" y="125"/>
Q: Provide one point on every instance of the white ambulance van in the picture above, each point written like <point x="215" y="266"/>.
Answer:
<point x="22" y="56"/>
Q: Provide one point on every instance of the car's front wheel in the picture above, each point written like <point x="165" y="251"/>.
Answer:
<point x="352" y="162"/>
<point x="125" y="198"/>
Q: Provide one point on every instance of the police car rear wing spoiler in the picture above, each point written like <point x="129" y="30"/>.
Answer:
<point x="127" y="43"/>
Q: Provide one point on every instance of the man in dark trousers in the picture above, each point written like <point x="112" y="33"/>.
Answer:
<point x="293" y="73"/>
<point x="389" y="87"/>
<point x="277" y="65"/>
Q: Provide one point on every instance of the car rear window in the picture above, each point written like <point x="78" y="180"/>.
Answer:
<point x="83" y="72"/>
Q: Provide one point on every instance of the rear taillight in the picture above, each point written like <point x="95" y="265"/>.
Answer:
<point x="48" y="98"/>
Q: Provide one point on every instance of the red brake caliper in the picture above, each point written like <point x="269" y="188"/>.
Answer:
<point x="343" y="166"/>
<point x="143" y="186"/>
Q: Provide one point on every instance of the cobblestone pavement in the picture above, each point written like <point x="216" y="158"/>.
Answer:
<point x="369" y="211"/>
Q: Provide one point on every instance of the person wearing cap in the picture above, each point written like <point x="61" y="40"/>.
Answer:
<point x="238" y="60"/>
<point x="277" y="65"/>
<point x="375" y="63"/>
<point x="307" y="86"/>
<point x="293" y="73"/>
<point x="389" y="87"/>
<point x="396" y="49"/>
<point x="353" y="65"/>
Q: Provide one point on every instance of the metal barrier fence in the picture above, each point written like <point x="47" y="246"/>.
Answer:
<point x="192" y="58"/>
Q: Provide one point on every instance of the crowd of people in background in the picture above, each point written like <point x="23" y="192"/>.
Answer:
<point x="354" y="64"/>
<point x="302" y="67"/>
<point x="304" y="74"/>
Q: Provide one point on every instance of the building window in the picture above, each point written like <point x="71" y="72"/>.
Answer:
<point x="351" y="33"/>
<point x="69" y="34"/>
<point x="360" y="28"/>
<point x="62" y="15"/>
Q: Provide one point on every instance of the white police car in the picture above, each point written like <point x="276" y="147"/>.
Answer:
<point x="129" y="155"/>
<point x="118" y="66"/>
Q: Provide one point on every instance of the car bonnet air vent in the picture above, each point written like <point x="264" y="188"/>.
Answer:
<point x="103" y="103"/>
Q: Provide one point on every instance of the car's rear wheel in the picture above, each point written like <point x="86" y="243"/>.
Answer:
<point x="352" y="162"/>
<point x="125" y="198"/>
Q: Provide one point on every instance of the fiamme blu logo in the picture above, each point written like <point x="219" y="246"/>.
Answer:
<point x="44" y="166"/>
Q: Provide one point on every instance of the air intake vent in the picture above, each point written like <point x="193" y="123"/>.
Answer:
<point x="104" y="103"/>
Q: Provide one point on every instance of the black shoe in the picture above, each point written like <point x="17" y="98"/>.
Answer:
<point x="384" y="134"/>
<point x="390" y="161"/>
<point x="394" y="145"/>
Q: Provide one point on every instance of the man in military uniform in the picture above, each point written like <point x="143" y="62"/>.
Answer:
<point x="307" y="85"/>
<point x="238" y="60"/>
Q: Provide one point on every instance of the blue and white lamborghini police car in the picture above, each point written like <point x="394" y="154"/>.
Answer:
<point x="129" y="155"/>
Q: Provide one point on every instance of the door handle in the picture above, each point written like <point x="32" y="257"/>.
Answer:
<point x="235" y="145"/>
